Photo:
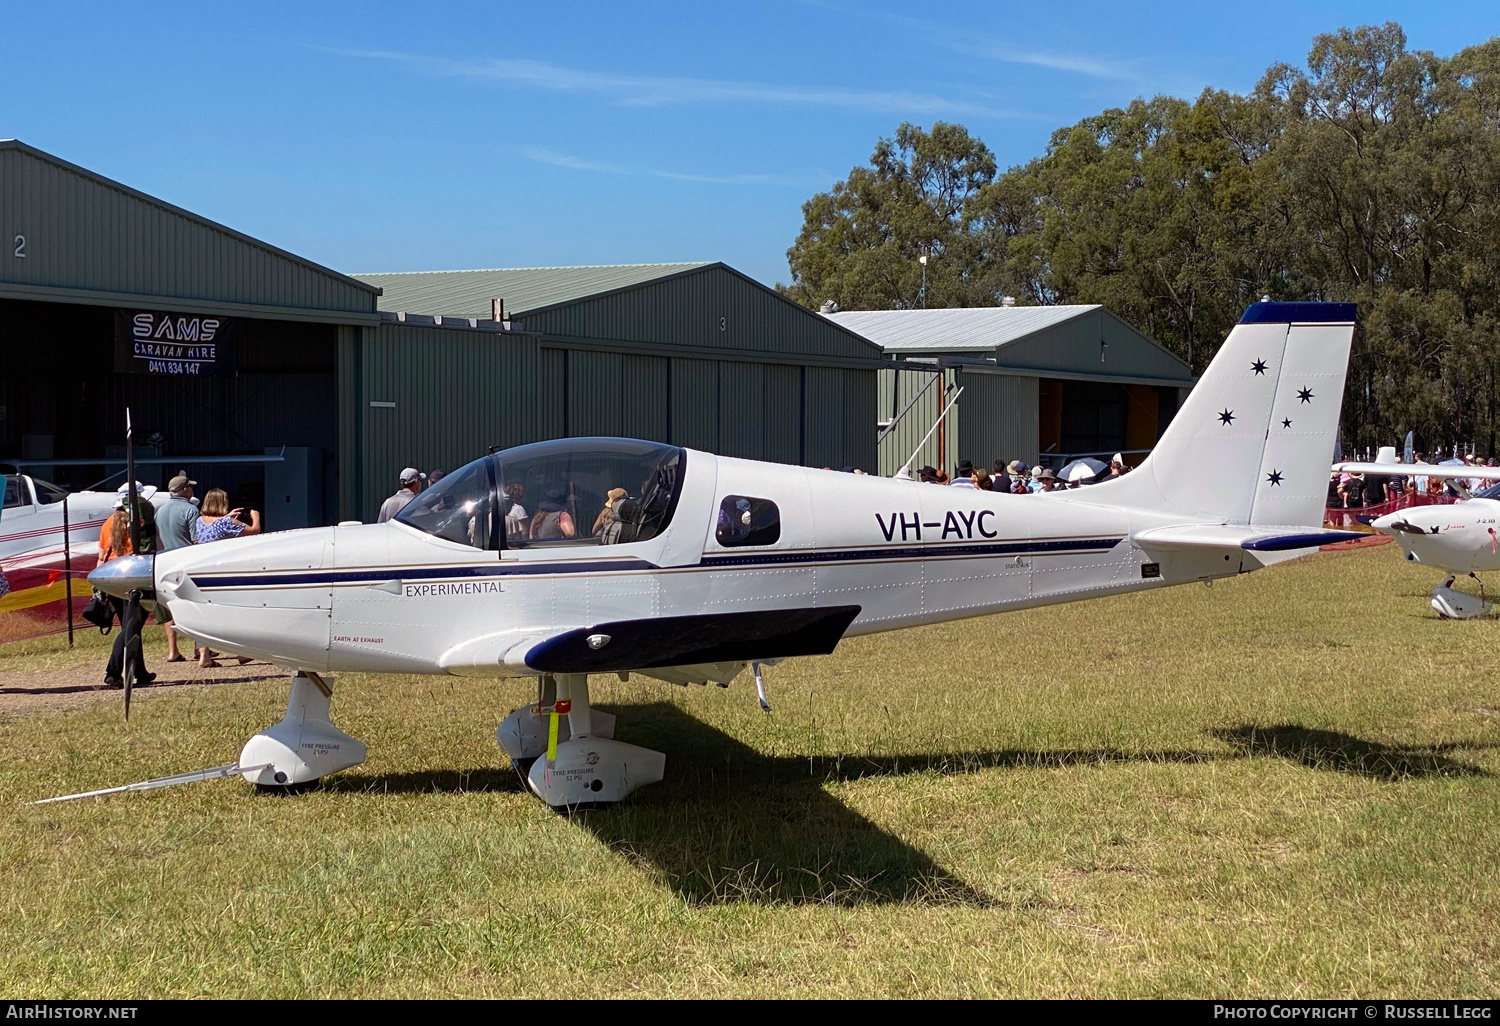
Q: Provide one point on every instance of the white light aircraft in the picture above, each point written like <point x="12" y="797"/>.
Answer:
<point x="34" y="561"/>
<point x="718" y="563"/>
<point x="1460" y="538"/>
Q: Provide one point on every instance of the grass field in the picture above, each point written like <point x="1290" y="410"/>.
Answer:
<point x="1286" y="785"/>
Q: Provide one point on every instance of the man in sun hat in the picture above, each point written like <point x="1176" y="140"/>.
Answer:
<point x="411" y="484"/>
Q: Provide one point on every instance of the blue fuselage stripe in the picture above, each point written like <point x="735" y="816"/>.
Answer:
<point x="314" y="578"/>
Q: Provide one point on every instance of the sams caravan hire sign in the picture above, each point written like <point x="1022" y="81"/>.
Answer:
<point x="183" y="345"/>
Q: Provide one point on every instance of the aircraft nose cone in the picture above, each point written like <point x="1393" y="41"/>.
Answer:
<point x="1383" y="524"/>
<point x="124" y="574"/>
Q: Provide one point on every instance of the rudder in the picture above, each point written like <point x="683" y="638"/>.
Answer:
<point x="1255" y="438"/>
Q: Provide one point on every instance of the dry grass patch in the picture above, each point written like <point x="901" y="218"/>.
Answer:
<point x="1285" y="785"/>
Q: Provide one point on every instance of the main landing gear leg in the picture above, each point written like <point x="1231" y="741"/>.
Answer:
<point x="523" y="734"/>
<point x="305" y="746"/>
<point x="589" y="770"/>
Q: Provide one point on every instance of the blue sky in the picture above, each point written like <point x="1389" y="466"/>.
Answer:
<point x="384" y="137"/>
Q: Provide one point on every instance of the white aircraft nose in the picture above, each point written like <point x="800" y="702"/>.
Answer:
<point x="1385" y="524"/>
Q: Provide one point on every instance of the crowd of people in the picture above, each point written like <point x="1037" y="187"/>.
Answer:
<point x="618" y="521"/>
<point x="182" y="520"/>
<point x="1355" y="491"/>
<point x="1019" y="478"/>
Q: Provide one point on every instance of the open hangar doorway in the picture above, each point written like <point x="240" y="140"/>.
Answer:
<point x="62" y="398"/>
<point x="1098" y="418"/>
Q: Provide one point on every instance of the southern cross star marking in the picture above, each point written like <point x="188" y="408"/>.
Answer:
<point x="1227" y="417"/>
<point x="1305" y="394"/>
<point x="1259" y="366"/>
<point x="1286" y="423"/>
<point x="1275" y="478"/>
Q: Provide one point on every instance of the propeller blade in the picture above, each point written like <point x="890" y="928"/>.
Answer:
<point x="130" y="624"/>
<point x="132" y="506"/>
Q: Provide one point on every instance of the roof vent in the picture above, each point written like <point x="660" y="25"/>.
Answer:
<point x="401" y="316"/>
<point x="1007" y="300"/>
<point x="828" y="307"/>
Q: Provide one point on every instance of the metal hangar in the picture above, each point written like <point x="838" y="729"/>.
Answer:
<point x="1039" y="383"/>
<point x="222" y="344"/>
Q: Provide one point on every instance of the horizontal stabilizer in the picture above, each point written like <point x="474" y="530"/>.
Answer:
<point x="1419" y="470"/>
<point x="1235" y="536"/>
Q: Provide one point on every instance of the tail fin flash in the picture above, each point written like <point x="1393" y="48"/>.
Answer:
<point x="1251" y="444"/>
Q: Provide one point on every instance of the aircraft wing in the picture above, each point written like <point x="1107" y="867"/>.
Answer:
<point x="1419" y="470"/>
<point x="1256" y="538"/>
<point x="674" y="648"/>
<point x="692" y="641"/>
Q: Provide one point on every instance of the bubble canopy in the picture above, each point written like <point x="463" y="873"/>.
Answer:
<point x="566" y="492"/>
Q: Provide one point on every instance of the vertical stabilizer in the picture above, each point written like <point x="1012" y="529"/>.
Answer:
<point x="1251" y="443"/>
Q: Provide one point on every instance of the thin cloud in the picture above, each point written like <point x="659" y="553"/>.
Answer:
<point x="1078" y="63"/>
<point x="652" y="91"/>
<point x="552" y="157"/>
<point x="678" y="176"/>
<point x="543" y="156"/>
<point x="972" y="44"/>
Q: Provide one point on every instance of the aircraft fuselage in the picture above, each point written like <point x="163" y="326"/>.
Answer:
<point x="391" y="598"/>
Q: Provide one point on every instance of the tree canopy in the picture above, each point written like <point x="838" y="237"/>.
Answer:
<point x="1370" y="175"/>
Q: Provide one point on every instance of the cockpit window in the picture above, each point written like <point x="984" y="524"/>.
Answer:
<point x="47" y="492"/>
<point x="458" y="507"/>
<point x="587" y="491"/>
<point x="1492" y="492"/>
<point x="15" y="495"/>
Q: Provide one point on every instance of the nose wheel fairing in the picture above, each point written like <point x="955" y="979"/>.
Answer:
<point x="305" y="745"/>
<point x="1452" y="604"/>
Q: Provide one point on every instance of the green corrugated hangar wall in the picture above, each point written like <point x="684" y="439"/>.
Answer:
<point x="996" y="418"/>
<point x="711" y="360"/>
<point x="706" y="359"/>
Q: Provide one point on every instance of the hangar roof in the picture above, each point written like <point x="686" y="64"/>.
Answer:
<point x="93" y="241"/>
<point x="523" y="289"/>
<point x="953" y="330"/>
<point x="700" y="308"/>
<point x="1082" y="340"/>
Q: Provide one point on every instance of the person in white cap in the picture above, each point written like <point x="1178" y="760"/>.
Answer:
<point x="411" y="484"/>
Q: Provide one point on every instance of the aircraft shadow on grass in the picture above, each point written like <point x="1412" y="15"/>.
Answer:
<point x="155" y="685"/>
<point x="730" y="823"/>
<point x="1345" y="753"/>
